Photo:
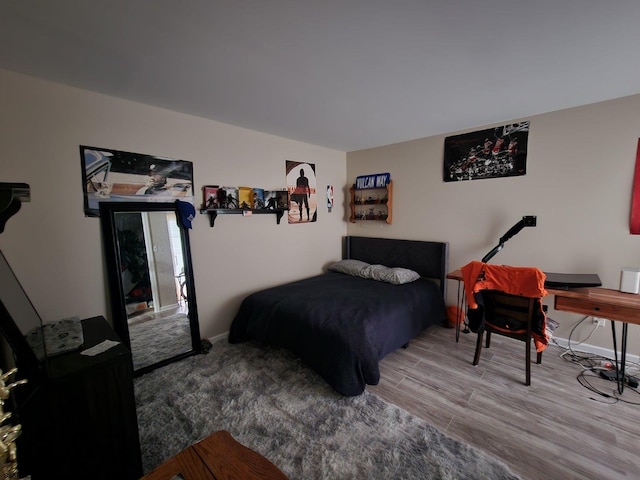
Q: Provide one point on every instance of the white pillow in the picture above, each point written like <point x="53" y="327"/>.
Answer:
<point x="355" y="268"/>
<point x="395" y="275"/>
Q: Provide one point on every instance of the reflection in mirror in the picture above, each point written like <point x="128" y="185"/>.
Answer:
<point x="151" y="282"/>
<point x="18" y="318"/>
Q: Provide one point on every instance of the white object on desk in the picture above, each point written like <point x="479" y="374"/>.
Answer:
<point x="630" y="280"/>
<point x="99" y="348"/>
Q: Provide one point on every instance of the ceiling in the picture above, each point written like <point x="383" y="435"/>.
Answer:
<point x="344" y="74"/>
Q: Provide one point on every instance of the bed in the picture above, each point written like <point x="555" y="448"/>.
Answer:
<point x="342" y="323"/>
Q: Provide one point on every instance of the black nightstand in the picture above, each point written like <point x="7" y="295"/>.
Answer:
<point x="80" y="421"/>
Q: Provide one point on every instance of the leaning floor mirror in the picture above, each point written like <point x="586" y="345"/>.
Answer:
<point x="150" y="274"/>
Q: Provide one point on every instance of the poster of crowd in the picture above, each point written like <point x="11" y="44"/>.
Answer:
<point x="491" y="153"/>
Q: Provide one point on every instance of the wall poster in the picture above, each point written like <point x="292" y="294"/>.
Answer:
<point x="634" y="222"/>
<point x="115" y="176"/>
<point x="303" y="198"/>
<point x="492" y="153"/>
<point x="329" y="198"/>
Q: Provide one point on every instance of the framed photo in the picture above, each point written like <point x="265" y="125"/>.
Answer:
<point x="115" y="176"/>
<point x="228" y="197"/>
<point x="258" y="198"/>
<point x="276" y="199"/>
<point x="245" y="197"/>
<point x="210" y="196"/>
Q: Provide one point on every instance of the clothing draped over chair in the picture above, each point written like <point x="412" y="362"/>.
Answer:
<point x="522" y="281"/>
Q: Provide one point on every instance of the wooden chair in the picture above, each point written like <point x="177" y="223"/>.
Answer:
<point x="512" y="316"/>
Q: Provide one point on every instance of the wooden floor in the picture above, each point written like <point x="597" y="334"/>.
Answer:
<point x="553" y="429"/>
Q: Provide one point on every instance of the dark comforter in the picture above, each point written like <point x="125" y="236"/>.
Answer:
<point x="340" y="325"/>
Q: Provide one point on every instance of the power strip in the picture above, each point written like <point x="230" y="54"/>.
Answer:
<point x="603" y="364"/>
<point x="615" y="375"/>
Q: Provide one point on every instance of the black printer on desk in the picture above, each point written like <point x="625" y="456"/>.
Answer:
<point x="565" y="281"/>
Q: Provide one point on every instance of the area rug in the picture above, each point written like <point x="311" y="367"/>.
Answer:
<point x="271" y="402"/>
<point x="158" y="338"/>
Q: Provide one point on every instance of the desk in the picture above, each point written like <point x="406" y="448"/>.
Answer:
<point x="594" y="301"/>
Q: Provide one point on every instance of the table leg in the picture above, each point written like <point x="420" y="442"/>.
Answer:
<point x="620" y="372"/>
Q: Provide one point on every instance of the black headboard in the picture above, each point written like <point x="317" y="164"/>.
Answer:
<point x="429" y="259"/>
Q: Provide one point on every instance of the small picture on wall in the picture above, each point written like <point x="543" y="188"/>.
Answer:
<point x="228" y="197"/>
<point x="492" y="153"/>
<point x="210" y="196"/>
<point x="245" y="197"/>
<point x="329" y="197"/>
<point x="276" y="199"/>
<point x="258" y="198"/>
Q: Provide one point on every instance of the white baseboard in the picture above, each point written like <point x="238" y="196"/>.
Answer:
<point x="217" y="337"/>
<point x="563" y="342"/>
<point x="604" y="352"/>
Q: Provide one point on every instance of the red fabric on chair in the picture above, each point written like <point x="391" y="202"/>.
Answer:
<point x="513" y="280"/>
<point x="522" y="281"/>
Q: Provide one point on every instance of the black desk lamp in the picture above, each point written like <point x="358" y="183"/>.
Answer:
<point x="527" y="221"/>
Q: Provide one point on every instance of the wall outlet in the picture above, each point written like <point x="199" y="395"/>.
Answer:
<point x="599" y="322"/>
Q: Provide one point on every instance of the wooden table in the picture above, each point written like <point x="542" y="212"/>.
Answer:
<point x="604" y="303"/>
<point x="217" y="457"/>
<point x="594" y="301"/>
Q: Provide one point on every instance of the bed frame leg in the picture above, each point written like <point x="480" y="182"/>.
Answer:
<point x="406" y="345"/>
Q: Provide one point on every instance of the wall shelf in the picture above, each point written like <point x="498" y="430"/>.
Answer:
<point x="371" y="204"/>
<point x="214" y="212"/>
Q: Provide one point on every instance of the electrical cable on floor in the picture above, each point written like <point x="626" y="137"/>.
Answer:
<point x="592" y="365"/>
<point x="574" y="356"/>
<point x="595" y="327"/>
<point x="614" y="397"/>
<point x="583" y="380"/>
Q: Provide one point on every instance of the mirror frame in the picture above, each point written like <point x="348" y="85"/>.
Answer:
<point x="108" y="211"/>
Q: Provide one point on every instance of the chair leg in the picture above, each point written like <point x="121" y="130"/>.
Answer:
<point x="539" y="358"/>
<point x="476" y="357"/>
<point x="488" y="343"/>
<point x="528" y="360"/>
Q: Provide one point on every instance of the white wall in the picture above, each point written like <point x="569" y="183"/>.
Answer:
<point x="579" y="176"/>
<point x="580" y="169"/>
<point x="57" y="252"/>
